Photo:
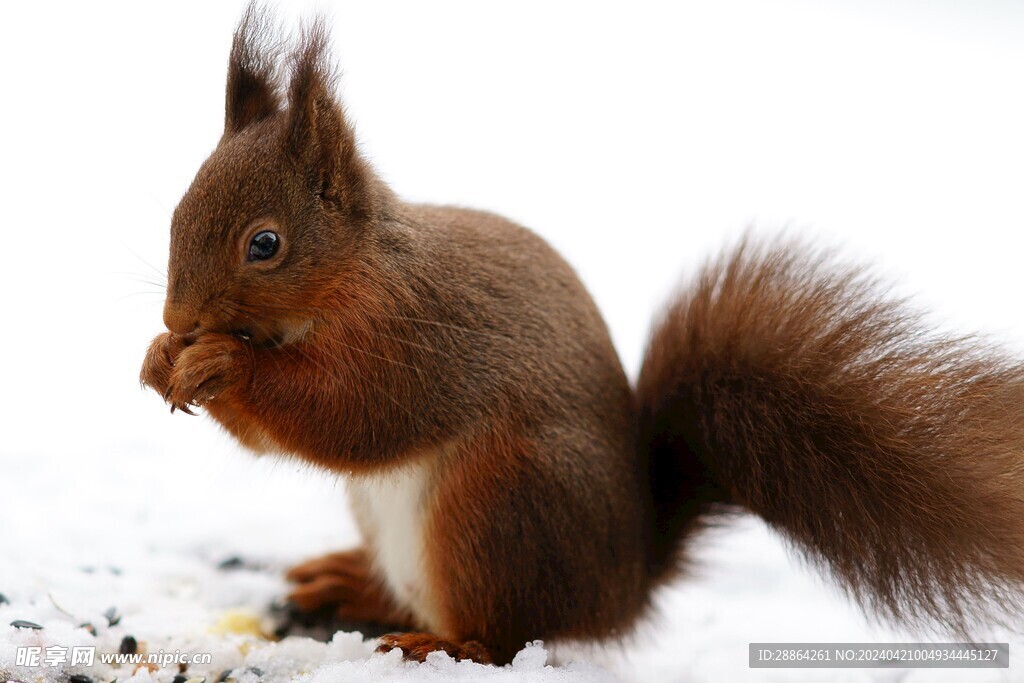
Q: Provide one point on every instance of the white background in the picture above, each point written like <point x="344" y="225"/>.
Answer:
<point x="638" y="138"/>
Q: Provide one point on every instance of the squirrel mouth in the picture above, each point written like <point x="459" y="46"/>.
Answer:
<point x="283" y="334"/>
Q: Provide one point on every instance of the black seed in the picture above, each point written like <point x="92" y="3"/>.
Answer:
<point x="179" y="679"/>
<point x="233" y="562"/>
<point x="88" y="627"/>
<point x="224" y="675"/>
<point x="79" y="678"/>
<point x="256" y="670"/>
<point x="113" y="618"/>
<point x="4" y="600"/>
<point x="129" y="645"/>
<point x="21" y="623"/>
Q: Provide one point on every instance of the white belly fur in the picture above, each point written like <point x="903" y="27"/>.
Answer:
<point x="390" y="507"/>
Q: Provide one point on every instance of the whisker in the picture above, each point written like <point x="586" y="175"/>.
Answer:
<point x="407" y="342"/>
<point x="140" y="277"/>
<point x="131" y="294"/>
<point x="373" y="355"/>
<point x="334" y="374"/>
<point x="382" y="316"/>
<point x="449" y="326"/>
<point x="156" y="270"/>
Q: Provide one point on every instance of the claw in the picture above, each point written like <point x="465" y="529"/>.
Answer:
<point x="183" y="408"/>
<point x="387" y="642"/>
<point x="167" y="394"/>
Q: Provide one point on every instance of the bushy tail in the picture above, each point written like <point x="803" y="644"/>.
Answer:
<point x="794" y="386"/>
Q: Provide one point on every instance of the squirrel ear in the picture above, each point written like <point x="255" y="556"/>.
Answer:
<point x="251" y="89"/>
<point x="318" y="136"/>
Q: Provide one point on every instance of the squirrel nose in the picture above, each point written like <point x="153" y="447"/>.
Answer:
<point x="179" y="319"/>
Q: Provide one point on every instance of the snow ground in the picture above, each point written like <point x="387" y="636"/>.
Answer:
<point x="100" y="532"/>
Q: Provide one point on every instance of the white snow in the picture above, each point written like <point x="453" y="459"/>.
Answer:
<point x="82" y="535"/>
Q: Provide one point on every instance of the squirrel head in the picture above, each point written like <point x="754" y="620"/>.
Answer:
<point x="277" y="211"/>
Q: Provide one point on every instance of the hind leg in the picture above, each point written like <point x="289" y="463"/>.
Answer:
<point x="345" y="583"/>
<point x="416" y="647"/>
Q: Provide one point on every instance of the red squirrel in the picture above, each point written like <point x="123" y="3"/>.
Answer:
<point x="509" y="481"/>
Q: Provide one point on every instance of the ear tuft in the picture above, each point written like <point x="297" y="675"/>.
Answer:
<point x="252" y="93"/>
<point x="312" y="68"/>
<point x="318" y="136"/>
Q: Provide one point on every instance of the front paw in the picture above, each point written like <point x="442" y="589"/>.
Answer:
<point x="159" y="361"/>
<point x="209" y="368"/>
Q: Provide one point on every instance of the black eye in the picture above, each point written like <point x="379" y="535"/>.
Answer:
<point x="263" y="246"/>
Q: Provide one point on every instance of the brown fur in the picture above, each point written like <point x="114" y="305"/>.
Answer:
<point x="346" y="581"/>
<point x="418" y="645"/>
<point x="385" y="333"/>
<point x="891" y="456"/>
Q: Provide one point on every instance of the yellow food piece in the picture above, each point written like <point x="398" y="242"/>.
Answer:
<point x="239" y="622"/>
